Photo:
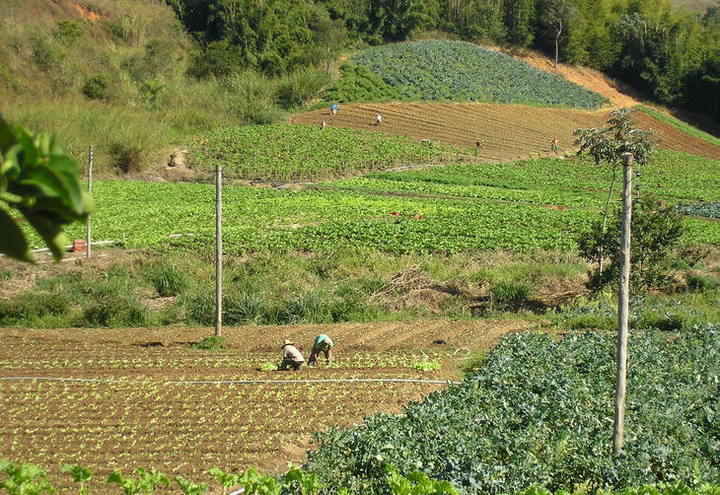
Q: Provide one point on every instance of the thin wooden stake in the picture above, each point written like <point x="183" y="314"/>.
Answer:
<point x="88" y="227"/>
<point x="623" y="308"/>
<point x="218" y="251"/>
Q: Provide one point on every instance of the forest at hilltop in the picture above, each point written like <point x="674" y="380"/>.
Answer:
<point x="672" y="55"/>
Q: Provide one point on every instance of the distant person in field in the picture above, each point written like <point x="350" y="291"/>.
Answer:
<point x="292" y="357"/>
<point x="378" y="119"/>
<point x="334" y="108"/>
<point x="554" y="145"/>
<point x="323" y="124"/>
<point x="323" y="344"/>
<point x="479" y="144"/>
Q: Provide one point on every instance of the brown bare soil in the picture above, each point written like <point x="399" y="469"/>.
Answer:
<point x="594" y="80"/>
<point x="509" y="132"/>
<point x="143" y="413"/>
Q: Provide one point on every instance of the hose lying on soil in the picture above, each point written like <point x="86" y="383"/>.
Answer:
<point x="228" y="382"/>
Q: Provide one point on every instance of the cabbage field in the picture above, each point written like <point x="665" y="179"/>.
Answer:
<point x="456" y="71"/>
<point x="540" y="412"/>
<point x="708" y="210"/>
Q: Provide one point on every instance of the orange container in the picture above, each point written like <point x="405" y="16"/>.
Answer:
<point x="79" y="246"/>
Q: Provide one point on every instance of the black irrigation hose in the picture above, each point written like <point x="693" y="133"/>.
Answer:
<point x="228" y="382"/>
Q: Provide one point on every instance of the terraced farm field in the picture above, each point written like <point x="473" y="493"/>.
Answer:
<point x="132" y="403"/>
<point x="541" y="203"/>
<point x="509" y="132"/>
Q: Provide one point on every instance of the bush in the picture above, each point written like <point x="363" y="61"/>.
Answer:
<point x="168" y="280"/>
<point x="33" y="306"/>
<point x="128" y="157"/>
<point x="211" y="343"/>
<point x="510" y="294"/>
<point x="656" y="231"/>
<point x="114" y="311"/>
<point x="702" y="283"/>
<point x="128" y="28"/>
<point x="301" y="86"/>
<point x="98" y="87"/>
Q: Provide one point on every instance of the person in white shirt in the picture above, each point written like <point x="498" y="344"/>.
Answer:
<point x="292" y="357"/>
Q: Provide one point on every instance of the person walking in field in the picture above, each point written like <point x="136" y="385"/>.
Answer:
<point x="479" y="144"/>
<point x="324" y="344"/>
<point x="378" y="119"/>
<point x="323" y="124"/>
<point x="334" y="108"/>
<point x="292" y="357"/>
<point x="554" y="145"/>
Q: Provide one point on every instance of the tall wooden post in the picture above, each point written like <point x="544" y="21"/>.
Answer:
<point x="218" y="251"/>
<point x="88" y="227"/>
<point x="623" y="307"/>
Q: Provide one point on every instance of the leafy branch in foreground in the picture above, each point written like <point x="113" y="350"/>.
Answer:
<point x="41" y="183"/>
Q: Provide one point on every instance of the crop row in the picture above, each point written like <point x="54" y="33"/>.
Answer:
<point x="709" y="210"/>
<point x="541" y="411"/>
<point x="177" y="428"/>
<point x="385" y="215"/>
<point x="305" y="152"/>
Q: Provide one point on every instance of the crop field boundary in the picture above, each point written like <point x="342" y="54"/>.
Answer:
<point x="227" y="382"/>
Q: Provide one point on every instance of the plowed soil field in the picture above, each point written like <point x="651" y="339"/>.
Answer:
<point x="143" y="398"/>
<point x="509" y="132"/>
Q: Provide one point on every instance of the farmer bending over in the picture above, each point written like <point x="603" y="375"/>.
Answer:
<point x="292" y="357"/>
<point x="322" y="343"/>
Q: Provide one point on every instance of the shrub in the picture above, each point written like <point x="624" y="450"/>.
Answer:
<point x="301" y="86"/>
<point x="128" y="28"/>
<point x="168" y="280"/>
<point x="702" y="283"/>
<point x="510" y="294"/>
<point x="656" y="231"/>
<point x="69" y="31"/>
<point x="98" y="87"/>
<point x="127" y="156"/>
<point x="114" y="311"/>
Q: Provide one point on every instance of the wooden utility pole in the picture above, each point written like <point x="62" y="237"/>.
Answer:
<point x="623" y="307"/>
<point x="218" y="251"/>
<point x="88" y="228"/>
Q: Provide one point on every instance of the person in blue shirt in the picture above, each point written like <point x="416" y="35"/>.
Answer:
<point x="322" y="343"/>
<point x="334" y="108"/>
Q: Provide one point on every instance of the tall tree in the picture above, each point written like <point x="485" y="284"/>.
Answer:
<point x="555" y="15"/>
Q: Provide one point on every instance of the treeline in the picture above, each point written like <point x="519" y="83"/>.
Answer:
<point x="670" y="54"/>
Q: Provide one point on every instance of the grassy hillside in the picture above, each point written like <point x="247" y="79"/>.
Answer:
<point x="114" y="74"/>
<point x="453" y="71"/>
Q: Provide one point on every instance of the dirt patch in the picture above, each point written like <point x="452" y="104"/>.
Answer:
<point x="618" y="94"/>
<point x="87" y="11"/>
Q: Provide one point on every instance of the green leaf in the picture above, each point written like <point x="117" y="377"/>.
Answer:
<point x="51" y="232"/>
<point x="12" y="240"/>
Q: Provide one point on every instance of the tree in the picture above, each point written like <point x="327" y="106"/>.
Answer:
<point x="656" y="231"/>
<point x="330" y="35"/>
<point x="555" y="15"/>
<point x="41" y="183"/>
<point x="518" y="17"/>
<point x="606" y="145"/>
